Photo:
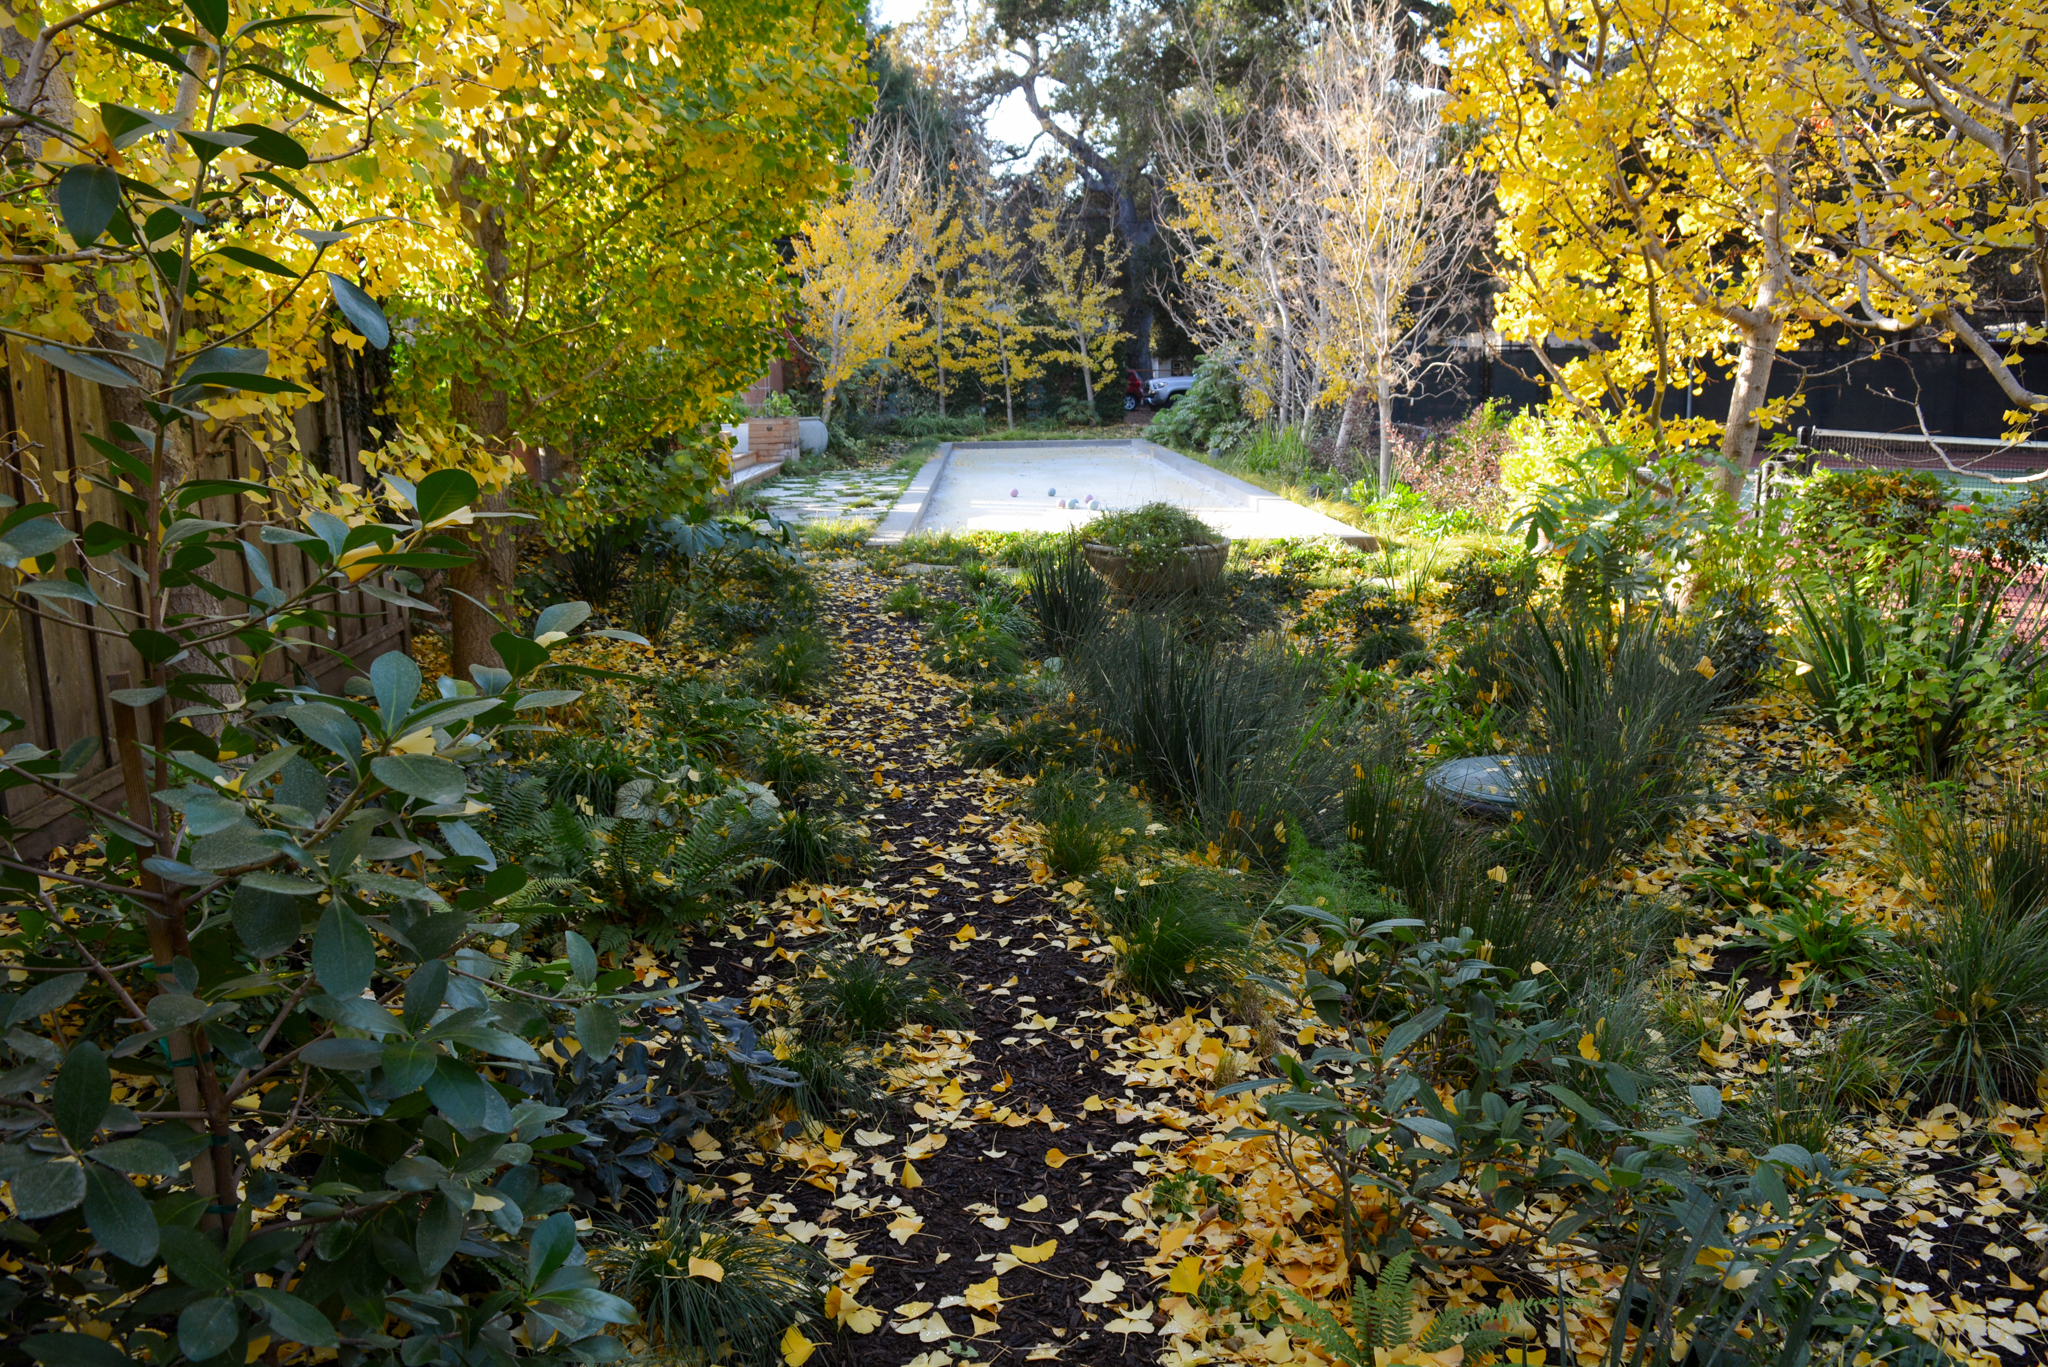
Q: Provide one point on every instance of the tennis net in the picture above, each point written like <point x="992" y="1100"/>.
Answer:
<point x="1973" y="463"/>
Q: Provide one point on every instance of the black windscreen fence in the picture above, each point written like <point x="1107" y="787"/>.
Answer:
<point x="1841" y="390"/>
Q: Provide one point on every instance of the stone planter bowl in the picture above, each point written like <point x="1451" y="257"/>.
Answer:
<point x="1193" y="568"/>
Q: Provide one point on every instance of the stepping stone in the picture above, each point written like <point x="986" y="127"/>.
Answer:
<point x="1485" y="784"/>
<point x="914" y="568"/>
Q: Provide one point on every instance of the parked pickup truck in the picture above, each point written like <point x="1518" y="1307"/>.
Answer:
<point x="1161" y="391"/>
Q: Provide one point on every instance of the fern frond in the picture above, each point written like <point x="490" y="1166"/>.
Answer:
<point x="1324" y="1328"/>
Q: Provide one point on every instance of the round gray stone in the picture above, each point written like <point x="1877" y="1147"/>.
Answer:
<point x="1484" y="784"/>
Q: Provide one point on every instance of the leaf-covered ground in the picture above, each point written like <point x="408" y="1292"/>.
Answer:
<point x="1009" y="1212"/>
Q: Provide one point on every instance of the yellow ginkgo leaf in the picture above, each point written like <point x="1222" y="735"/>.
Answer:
<point x="845" y="1310"/>
<point x="1054" y="1158"/>
<point x="1033" y="1206"/>
<point x="1587" y="1048"/>
<point x="796" y="1349"/>
<point x="983" y="1295"/>
<point x="707" y="1269"/>
<point x="1187" y="1276"/>
<point x="909" y="1177"/>
<point x="1034" y="1253"/>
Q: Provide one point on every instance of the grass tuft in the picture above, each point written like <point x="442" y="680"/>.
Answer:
<point x="765" y="1286"/>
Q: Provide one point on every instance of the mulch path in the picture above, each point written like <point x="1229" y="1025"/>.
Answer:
<point x="1028" y="1062"/>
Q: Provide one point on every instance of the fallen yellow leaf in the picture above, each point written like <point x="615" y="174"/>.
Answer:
<point x="1034" y="1253"/>
<point x="1033" y="1206"/>
<point x="1498" y="874"/>
<point x="1187" y="1276"/>
<point x="707" y="1269"/>
<point x="983" y="1295"/>
<point x="845" y="1310"/>
<point x="1587" y="1048"/>
<point x="1054" y="1158"/>
<point x="964" y="934"/>
<point x="796" y="1349"/>
<point x="1103" y="1290"/>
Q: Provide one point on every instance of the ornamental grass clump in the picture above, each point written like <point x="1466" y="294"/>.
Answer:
<point x="1179" y="934"/>
<point x="1241" y="739"/>
<point x="1085" y="819"/>
<point x="862" y="997"/>
<point x="788" y="664"/>
<point x="1619" y="724"/>
<point x="1971" y="1004"/>
<point x="711" y="1292"/>
<point x="1066" y="598"/>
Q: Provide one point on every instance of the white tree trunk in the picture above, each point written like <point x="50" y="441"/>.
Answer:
<point x="1384" y="390"/>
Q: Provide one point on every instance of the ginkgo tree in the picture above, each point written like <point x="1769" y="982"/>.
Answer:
<point x="1000" y="336"/>
<point x="1692" y="186"/>
<point x="1079" y="289"/>
<point x="854" y="263"/>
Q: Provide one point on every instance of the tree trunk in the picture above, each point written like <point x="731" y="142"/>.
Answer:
<point x="1344" y="425"/>
<point x="1009" y="406"/>
<point x="482" y="587"/>
<point x="1385" y="391"/>
<point x="1087" y="371"/>
<point x="1752" y="385"/>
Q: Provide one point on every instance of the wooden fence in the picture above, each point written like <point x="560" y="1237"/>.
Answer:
<point x="55" y="676"/>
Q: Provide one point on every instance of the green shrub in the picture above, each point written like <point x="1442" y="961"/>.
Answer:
<point x="1998" y="862"/>
<point x="788" y="664"/>
<point x="1152" y="536"/>
<point x="834" y="1080"/>
<point x="1618" y="734"/>
<point x="1807" y="795"/>
<point x="1180" y="936"/>
<point x="1921" y="671"/>
<point x="1761" y="872"/>
<point x="862" y="997"/>
<point x="1066" y="597"/>
<point x="656" y="864"/>
<point x="765" y="1285"/>
<point x="1740" y="631"/>
<point x="1817" y="930"/>
<point x="799" y="774"/>
<point x="594" y="567"/>
<point x="1969" y="1006"/>
<point x="592" y="767"/>
<point x="1487" y="586"/>
<point x="702" y="718"/>
<point x="838" y="534"/>
<point x="1853" y="509"/>
<point x="1208" y="415"/>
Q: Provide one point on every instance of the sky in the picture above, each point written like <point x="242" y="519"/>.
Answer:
<point x="1009" y="121"/>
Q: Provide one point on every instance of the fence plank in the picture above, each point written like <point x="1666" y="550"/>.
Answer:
<point x="52" y="674"/>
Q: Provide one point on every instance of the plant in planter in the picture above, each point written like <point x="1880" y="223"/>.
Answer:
<point x="1155" y="549"/>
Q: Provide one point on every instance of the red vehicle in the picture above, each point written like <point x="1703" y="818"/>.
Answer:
<point x="1134" y="391"/>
